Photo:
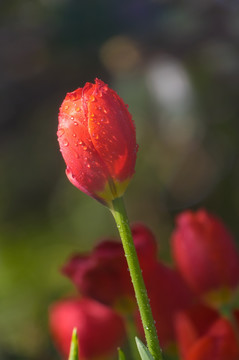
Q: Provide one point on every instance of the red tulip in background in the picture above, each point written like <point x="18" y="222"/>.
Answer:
<point x="103" y="275"/>
<point x="97" y="140"/>
<point x="219" y="343"/>
<point x="100" y="330"/>
<point x="191" y="324"/>
<point x="205" y="253"/>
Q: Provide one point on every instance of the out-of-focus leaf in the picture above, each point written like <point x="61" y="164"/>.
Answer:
<point x="74" y="349"/>
<point x="121" y="355"/>
<point x="143" y="350"/>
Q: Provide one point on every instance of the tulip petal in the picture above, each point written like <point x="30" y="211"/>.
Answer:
<point x="112" y="131"/>
<point x="85" y="168"/>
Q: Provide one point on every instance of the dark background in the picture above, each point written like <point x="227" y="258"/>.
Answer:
<point x="176" y="63"/>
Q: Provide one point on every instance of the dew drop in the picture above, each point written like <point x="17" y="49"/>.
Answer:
<point x="60" y="132"/>
<point x="105" y="111"/>
<point x="84" y="147"/>
<point x="88" y="165"/>
<point x="74" y="135"/>
<point x="80" y="142"/>
<point x="65" y="143"/>
<point x="72" y="117"/>
<point x="75" y="123"/>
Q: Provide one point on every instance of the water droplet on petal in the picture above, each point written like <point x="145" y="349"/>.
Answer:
<point x="66" y="143"/>
<point x="88" y="165"/>
<point x="74" y="135"/>
<point x="105" y="111"/>
<point x="85" y="147"/>
<point x="75" y="123"/>
<point x="60" y="132"/>
<point x="72" y="117"/>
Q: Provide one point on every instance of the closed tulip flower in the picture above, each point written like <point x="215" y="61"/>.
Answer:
<point x="97" y="140"/>
<point x="206" y="255"/>
<point x="100" y="330"/>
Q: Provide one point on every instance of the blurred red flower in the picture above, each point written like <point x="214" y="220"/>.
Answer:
<point x="103" y="275"/>
<point x="97" y="139"/>
<point x="219" y="343"/>
<point x="100" y="330"/>
<point x="205" y="253"/>
<point x="191" y="324"/>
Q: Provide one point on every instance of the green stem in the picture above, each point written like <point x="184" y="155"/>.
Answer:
<point x="122" y="223"/>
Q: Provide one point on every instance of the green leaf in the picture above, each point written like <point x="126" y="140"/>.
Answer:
<point x="74" y="349"/>
<point x="143" y="350"/>
<point x="121" y="355"/>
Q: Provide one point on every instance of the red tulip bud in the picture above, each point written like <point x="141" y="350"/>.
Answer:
<point x="97" y="140"/>
<point x="100" y="330"/>
<point x="205" y="253"/>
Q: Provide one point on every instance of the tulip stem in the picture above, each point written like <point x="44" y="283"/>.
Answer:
<point x="122" y="222"/>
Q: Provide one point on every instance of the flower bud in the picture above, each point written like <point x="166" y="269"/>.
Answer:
<point x="206" y="255"/>
<point x="97" y="140"/>
<point x="100" y="330"/>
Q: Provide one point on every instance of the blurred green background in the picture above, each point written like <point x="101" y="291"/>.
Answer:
<point x="176" y="63"/>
